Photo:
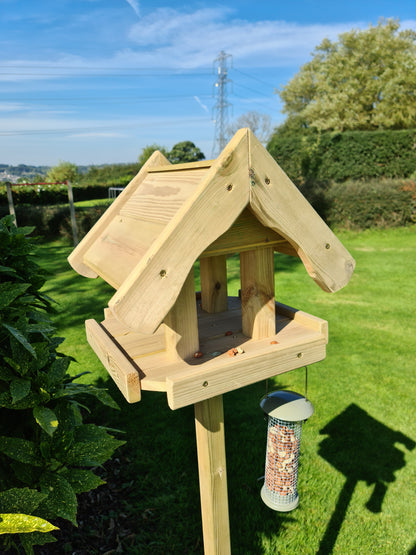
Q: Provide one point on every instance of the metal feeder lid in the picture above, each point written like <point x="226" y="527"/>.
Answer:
<point x="287" y="405"/>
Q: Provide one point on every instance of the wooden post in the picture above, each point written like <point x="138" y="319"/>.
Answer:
<point x="182" y="322"/>
<point x="72" y="212"/>
<point x="209" y="424"/>
<point x="214" y="283"/>
<point x="257" y="293"/>
<point x="10" y="199"/>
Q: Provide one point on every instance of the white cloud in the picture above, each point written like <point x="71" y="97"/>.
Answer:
<point x="172" y="37"/>
<point x="179" y="38"/>
<point x="135" y="5"/>
<point x="11" y="107"/>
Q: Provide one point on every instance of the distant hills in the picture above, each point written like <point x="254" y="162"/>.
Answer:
<point x="28" y="172"/>
<point x="13" y="173"/>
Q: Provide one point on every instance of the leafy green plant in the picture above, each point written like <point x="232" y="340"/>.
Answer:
<point x="47" y="193"/>
<point x="47" y="452"/>
<point x="376" y="203"/>
<point x="358" y="155"/>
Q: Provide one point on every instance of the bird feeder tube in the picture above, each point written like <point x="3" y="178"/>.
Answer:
<point x="286" y="411"/>
<point x="300" y="339"/>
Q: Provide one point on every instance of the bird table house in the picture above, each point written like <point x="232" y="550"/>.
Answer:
<point x="158" y="334"/>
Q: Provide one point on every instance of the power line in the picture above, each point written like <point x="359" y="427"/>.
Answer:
<point x="106" y="68"/>
<point x="255" y="78"/>
<point x="104" y="99"/>
<point x="70" y="130"/>
<point x="252" y="90"/>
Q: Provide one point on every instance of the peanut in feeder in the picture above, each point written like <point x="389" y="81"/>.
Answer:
<point x="145" y="246"/>
<point x="286" y="410"/>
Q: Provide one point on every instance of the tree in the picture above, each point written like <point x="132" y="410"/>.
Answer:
<point x="260" y="124"/>
<point x="148" y="151"/>
<point x="64" y="171"/>
<point x="365" y="80"/>
<point x="185" y="151"/>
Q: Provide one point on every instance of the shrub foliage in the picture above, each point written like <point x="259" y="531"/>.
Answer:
<point x="309" y="155"/>
<point x="46" y="194"/>
<point x="378" y="203"/>
<point x="47" y="452"/>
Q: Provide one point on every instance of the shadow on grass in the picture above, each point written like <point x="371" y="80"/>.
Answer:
<point x="363" y="449"/>
<point x="161" y="448"/>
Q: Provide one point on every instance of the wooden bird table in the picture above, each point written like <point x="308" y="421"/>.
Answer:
<point x="159" y="335"/>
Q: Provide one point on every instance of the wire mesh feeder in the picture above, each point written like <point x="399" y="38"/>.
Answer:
<point x="286" y="411"/>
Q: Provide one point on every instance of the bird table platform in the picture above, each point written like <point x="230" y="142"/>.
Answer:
<point x="158" y="334"/>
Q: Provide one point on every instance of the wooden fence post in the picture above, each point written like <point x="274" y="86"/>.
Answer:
<point x="72" y="212"/>
<point x="10" y="199"/>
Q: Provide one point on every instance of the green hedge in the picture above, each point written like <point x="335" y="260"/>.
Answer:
<point x="54" y="221"/>
<point x="51" y="194"/>
<point x="359" y="205"/>
<point x="312" y="156"/>
<point x="352" y="204"/>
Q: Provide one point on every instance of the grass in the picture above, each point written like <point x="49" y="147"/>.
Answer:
<point x="95" y="202"/>
<point x="357" y="479"/>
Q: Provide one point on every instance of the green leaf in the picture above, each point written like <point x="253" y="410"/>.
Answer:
<point x="20" y="500"/>
<point x="20" y="338"/>
<point x="46" y="419"/>
<point x="16" y="523"/>
<point x="5" y="373"/>
<point x="92" y="446"/>
<point x="26" y="473"/>
<point x="58" y="370"/>
<point x="104" y="397"/>
<point x="42" y="328"/>
<point x="21" y="450"/>
<point x="19" y="388"/>
<point x="61" y="500"/>
<point x="8" y="271"/>
<point x="35" y="538"/>
<point x="10" y="291"/>
<point x="72" y="389"/>
<point x="82" y="480"/>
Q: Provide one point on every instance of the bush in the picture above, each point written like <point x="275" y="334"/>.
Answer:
<point x="358" y="205"/>
<point x="308" y="155"/>
<point x="47" y="452"/>
<point x="53" y="222"/>
<point x="41" y="195"/>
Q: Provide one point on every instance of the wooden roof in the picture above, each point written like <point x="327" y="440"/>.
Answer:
<point x="169" y="215"/>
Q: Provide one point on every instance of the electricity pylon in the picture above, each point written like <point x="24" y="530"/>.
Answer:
<point x="222" y="105"/>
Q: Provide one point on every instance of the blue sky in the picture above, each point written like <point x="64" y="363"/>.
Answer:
<point x="94" y="81"/>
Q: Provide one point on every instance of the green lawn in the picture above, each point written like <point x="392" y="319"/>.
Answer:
<point x="357" y="480"/>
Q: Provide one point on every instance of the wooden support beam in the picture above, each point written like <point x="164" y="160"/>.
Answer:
<point x="257" y="293"/>
<point x="209" y="424"/>
<point x="117" y="363"/>
<point x="213" y="271"/>
<point x="182" y="322"/>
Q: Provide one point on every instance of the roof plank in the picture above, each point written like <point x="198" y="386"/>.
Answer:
<point x="279" y="205"/>
<point x="76" y="258"/>
<point x="149" y="292"/>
